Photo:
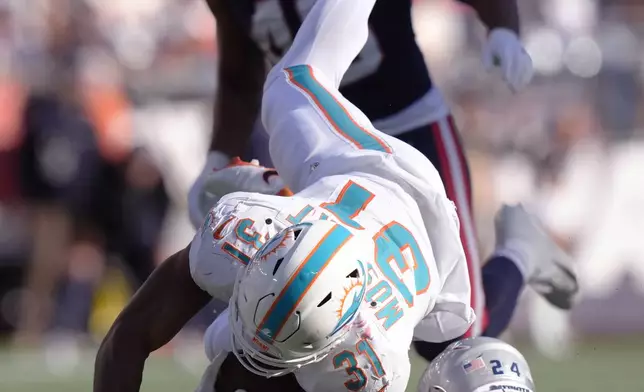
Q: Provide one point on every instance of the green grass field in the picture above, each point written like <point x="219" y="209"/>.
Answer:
<point x="601" y="366"/>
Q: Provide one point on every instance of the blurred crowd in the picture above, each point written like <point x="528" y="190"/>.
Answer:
<point x="106" y="109"/>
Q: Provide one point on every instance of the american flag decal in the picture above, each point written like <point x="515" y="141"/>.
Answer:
<point x="474" y="365"/>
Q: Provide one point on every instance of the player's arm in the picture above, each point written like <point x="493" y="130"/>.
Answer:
<point x="497" y="13"/>
<point x="158" y="310"/>
<point x="240" y="80"/>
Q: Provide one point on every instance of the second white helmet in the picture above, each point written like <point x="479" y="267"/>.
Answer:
<point x="480" y="364"/>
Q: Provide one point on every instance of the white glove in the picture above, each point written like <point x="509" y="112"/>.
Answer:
<point x="237" y="176"/>
<point x="504" y="49"/>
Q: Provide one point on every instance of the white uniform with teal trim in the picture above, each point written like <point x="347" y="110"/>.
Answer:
<point x="345" y="170"/>
<point x="406" y="285"/>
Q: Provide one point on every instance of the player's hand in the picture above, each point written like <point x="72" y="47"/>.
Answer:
<point x="503" y="49"/>
<point x="237" y="176"/>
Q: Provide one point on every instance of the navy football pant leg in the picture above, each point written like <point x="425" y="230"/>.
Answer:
<point x="503" y="283"/>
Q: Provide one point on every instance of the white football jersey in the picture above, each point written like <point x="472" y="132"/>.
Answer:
<point x="407" y="285"/>
<point x="345" y="170"/>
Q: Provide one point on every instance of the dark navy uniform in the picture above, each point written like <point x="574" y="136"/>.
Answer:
<point x="390" y="83"/>
<point x="390" y="62"/>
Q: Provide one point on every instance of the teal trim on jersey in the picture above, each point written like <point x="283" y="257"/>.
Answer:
<point x="240" y="231"/>
<point x="348" y="360"/>
<point x="236" y="253"/>
<point x="337" y="115"/>
<point x="300" y="215"/>
<point x="391" y="313"/>
<point x="299" y="284"/>
<point x="352" y="199"/>
<point x="380" y="292"/>
<point x="389" y="245"/>
<point x="365" y="348"/>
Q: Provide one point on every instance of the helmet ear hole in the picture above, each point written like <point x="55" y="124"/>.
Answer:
<point x="262" y="306"/>
<point x="277" y="265"/>
<point x="325" y="300"/>
<point x="354" y="274"/>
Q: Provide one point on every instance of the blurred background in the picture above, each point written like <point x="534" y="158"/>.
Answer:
<point x="105" y="114"/>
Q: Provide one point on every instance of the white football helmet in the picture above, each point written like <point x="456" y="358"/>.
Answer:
<point x="298" y="296"/>
<point x="479" y="364"/>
